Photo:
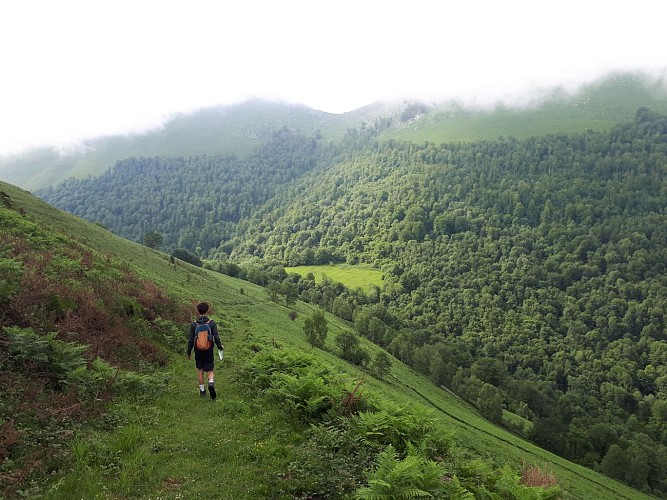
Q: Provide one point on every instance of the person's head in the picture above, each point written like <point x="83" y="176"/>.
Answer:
<point x="202" y="308"/>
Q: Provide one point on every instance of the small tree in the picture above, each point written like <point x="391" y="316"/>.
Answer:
<point x="350" y="350"/>
<point x="347" y="342"/>
<point x="153" y="239"/>
<point x="490" y="403"/>
<point x="316" y="329"/>
<point x="274" y="290"/>
<point x="381" y="364"/>
<point x="289" y="292"/>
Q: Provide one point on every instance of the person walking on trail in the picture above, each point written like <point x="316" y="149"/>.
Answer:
<point x="203" y="333"/>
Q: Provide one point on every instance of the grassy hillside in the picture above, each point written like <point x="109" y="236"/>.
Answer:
<point x="155" y="450"/>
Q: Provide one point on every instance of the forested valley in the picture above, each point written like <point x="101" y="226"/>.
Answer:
<point x="528" y="276"/>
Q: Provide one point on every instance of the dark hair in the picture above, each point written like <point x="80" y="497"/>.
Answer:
<point x="202" y="307"/>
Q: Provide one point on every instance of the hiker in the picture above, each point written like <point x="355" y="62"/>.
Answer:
<point x="203" y="332"/>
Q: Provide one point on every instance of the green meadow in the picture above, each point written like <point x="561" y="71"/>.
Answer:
<point x="352" y="277"/>
<point x="240" y="446"/>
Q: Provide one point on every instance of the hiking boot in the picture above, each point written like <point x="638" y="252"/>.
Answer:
<point x="202" y="393"/>
<point x="211" y="391"/>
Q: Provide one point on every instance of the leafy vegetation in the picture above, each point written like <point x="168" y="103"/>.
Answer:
<point x="416" y="457"/>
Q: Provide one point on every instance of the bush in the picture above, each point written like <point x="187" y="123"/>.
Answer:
<point x="327" y="448"/>
<point x="258" y="373"/>
<point x="187" y="256"/>
<point x="402" y="428"/>
<point x="44" y="355"/>
<point x="102" y="379"/>
<point x="307" y="397"/>
<point x="412" y="477"/>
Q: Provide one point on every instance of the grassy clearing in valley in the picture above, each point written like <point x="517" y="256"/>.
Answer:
<point x="352" y="277"/>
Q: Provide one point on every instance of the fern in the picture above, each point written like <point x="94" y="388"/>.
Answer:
<point x="307" y="396"/>
<point x="412" y="477"/>
<point x="11" y="273"/>
<point x="402" y="427"/>
<point x="44" y="355"/>
<point x="103" y="377"/>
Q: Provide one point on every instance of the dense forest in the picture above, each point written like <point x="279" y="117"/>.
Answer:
<point x="527" y="276"/>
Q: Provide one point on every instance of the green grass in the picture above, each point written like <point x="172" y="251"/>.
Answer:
<point x="351" y="276"/>
<point x="180" y="446"/>
<point x="184" y="446"/>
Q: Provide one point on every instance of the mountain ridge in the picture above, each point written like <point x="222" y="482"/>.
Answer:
<point x="239" y="128"/>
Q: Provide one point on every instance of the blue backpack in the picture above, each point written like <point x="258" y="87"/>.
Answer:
<point x="203" y="336"/>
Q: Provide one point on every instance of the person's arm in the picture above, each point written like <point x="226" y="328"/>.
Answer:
<point x="216" y="336"/>
<point x="191" y="339"/>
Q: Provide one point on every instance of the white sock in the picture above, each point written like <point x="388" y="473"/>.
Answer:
<point x="210" y="382"/>
<point x="201" y="387"/>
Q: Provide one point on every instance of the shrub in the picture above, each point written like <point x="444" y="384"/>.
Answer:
<point x="259" y="372"/>
<point x="401" y="428"/>
<point x="187" y="256"/>
<point x="327" y="448"/>
<point x="44" y="355"/>
<point x="106" y="381"/>
<point x="306" y="397"/>
<point x="532" y="475"/>
<point x="412" y="477"/>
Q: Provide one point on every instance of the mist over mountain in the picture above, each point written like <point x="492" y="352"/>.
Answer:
<point x="240" y="128"/>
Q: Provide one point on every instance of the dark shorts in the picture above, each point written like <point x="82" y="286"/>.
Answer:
<point x="204" y="360"/>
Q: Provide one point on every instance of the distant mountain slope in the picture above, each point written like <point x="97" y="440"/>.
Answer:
<point x="240" y="128"/>
<point x="596" y="106"/>
<point x="234" y="129"/>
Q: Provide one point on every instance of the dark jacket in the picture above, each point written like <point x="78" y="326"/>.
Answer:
<point x="214" y="330"/>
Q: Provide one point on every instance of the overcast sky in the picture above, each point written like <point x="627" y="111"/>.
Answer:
<point x="71" y="69"/>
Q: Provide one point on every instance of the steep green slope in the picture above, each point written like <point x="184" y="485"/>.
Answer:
<point x="249" y="317"/>
<point x="536" y="266"/>
<point x="156" y="452"/>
